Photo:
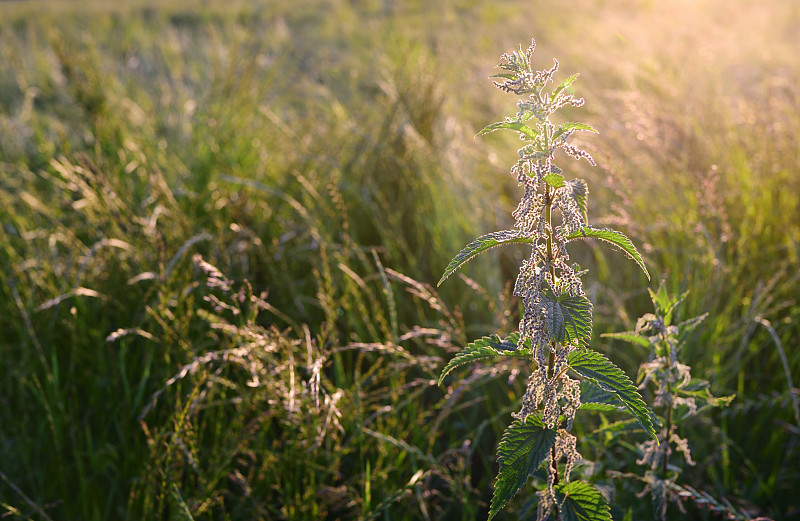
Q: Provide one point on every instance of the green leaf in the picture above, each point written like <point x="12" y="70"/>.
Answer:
<point x="595" y="398"/>
<point x="686" y="327"/>
<point x="570" y="126"/>
<point x="619" y="428"/>
<point x="519" y="126"/>
<point x="568" y="317"/>
<point x="486" y="347"/>
<point x="659" y="493"/>
<point x="583" y="502"/>
<point x="481" y="244"/>
<point x="614" y="237"/>
<point x="665" y="303"/>
<point x="701" y="390"/>
<point x="522" y="450"/>
<point x="596" y="367"/>
<point x="513" y="342"/>
<point x="630" y="337"/>
<point x="598" y="407"/>
<point x="554" y="180"/>
<point x="564" y="84"/>
<point x="580" y="194"/>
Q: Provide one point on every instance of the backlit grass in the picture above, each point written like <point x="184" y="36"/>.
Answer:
<point x="323" y="157"/>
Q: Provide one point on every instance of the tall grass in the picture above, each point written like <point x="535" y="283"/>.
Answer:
<point x="312" y="155"/>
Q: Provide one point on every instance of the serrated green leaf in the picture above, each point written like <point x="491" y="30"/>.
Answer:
<point x="614" y="237"/>
<point x="486" y="347"/>
<point x="570" y="126"/>
<point x="564" y="84"/>
<point x="522" y="450"/>
<point x="580" y="126"/>
<point x="598" y="407"/>
<point x="568" y="318"/>
<point x="701" y="390"/>
<point x="518" y="126"/>
<point x="592" y="394"/>
<point x="505" y="76"/>
<point x="513" y="340"/>
<point x="630" y="337"/>
<point x="594" y="398"/>
<point x="580" y="194"/>
<point x="621" y="427"/>
<point x="697" y="384"/>
<point x="691" y="323"/>
<point x="582" y="502"/>
<point x="481" y="244"/>
<point x="686" y="327"/>
<point x="554" y="180"/>
<point x="665" y="303"/>
<point x="596" y="367"/>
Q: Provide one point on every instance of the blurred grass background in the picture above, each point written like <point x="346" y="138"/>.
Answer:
<point x="321" y="155"/>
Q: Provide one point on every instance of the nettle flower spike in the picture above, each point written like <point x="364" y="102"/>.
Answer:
<point x="555" y="329"/>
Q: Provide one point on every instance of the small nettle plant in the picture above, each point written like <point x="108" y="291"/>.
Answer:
<point x="677" y="398"/>
<point x="555" y="329"/>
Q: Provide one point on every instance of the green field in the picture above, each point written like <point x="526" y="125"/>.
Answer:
<point x="321" y="156"/>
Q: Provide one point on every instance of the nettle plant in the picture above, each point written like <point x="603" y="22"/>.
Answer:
<point x="677" y="398"/>
<point x="555" y="329"/>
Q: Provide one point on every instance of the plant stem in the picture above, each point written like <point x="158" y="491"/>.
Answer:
<point x="551" y="359"/>
<point x="548" y="215"/>
<point x="668" y="357"/>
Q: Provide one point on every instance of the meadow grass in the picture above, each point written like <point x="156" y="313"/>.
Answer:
<point x="323" y="157"/>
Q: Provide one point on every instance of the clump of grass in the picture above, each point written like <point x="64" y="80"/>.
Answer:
<point x="266" y="398"/>
<point x="145" y="154"/>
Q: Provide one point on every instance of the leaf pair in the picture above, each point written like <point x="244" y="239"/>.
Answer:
<point x="525" y="445"/>
<point x="523" y="448"/>
<point x="588" y="364"/>
<point x="501" y="238"/>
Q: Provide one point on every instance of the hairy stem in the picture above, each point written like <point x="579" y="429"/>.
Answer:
<point x="548" y="215"/>
<point x="668" y="355"/>
<point x="551" y="359"/>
